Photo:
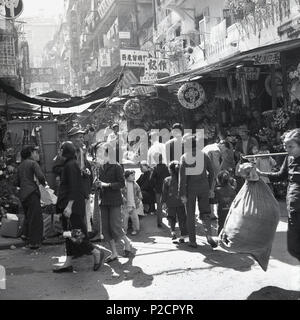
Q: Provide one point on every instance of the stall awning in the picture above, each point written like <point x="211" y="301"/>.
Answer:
<point x="229" y="62"/>
<point x="100" y="93"/>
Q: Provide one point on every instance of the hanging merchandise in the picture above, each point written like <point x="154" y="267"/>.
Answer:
<point x="133" y="109"/>
<point x="191" y="95"/>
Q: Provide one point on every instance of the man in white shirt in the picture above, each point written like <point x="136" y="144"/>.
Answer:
<point x="156" y="148"/>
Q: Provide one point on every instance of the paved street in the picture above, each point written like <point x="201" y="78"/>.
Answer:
<point x="159" y="270"/>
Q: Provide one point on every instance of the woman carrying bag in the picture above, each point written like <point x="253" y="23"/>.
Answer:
<point x="71" y="203"/>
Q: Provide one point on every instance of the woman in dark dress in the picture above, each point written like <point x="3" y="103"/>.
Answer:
<point x="71" y="203"/>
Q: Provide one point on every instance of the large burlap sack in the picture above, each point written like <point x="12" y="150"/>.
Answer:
<point x="251" y="222"/>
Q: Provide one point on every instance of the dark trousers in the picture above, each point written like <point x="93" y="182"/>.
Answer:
<point x="293" y="235"/>
<point x="77" y="221"/>
<point x="33" y="222"/>
<point x="158" y="208"/>
<point x="222" y="215"/>
<point x="204" y="208"/>
<point x="177" y="213"/>
<point x="148" y="199"/>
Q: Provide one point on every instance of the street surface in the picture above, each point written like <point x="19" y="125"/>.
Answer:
<point x="159" y="270"/>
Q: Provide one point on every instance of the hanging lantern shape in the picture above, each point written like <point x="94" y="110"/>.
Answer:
<point x="191" y="95"/>
<point x="133" y="109"/>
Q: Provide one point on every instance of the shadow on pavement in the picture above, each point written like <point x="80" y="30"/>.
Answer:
<point x="120" y="272"/>
<point x="274" y="293"/>
<point x="279" y="251"/>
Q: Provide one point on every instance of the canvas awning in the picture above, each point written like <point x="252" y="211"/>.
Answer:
<point x="100" y="93"/>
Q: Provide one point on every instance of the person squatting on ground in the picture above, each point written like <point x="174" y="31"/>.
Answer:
<point x="28" y="172"/>
<point x="132" y="197"/>
<point x="171" y="200"/>
<point x="225" y="194"/>
<point x="290" y="170"/>
<point x="71" y="203"/>
<point x="197" y="186"/>
<point x="110" y="181"/>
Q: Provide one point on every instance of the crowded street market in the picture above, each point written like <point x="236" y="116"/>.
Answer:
<point x="117" y="117"/>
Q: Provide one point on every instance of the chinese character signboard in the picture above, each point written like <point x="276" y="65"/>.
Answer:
<point x="11" y="9"/>
<point x="133" y="58"/>
<point x="104" y="58"/>
<point x="251" y="73"/>
<point x="154" y="65"/>
<point x="268" y="58"/>
<point x="148" y="79"/>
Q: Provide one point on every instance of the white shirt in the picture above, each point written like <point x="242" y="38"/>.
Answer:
<point x="214" y="153"/>
<point x="157" y="147"/>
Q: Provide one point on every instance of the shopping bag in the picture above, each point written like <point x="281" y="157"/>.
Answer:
<point x="251" y="223"/>
<point x="47" y="196"/>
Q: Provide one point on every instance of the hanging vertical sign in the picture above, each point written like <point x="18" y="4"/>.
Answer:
<point x="104" y="57"/>
<point x="11" y="9"/>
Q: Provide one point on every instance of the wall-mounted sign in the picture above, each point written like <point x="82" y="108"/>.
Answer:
<point x="251" y="73"/>
<point x="291" y="28"/>
<point x="268" y="58"/>
<point x="104" y="57"/>
<point x="133" y="58"/>
<point x="125" y="35"/>
<point x="148" y="79"/>
<point x="156" y="65"/>
<point x="191" y="95"/>
<point x="11" y="9"/>
<point x="143" y="91"/>
<point x="104" y="6"/>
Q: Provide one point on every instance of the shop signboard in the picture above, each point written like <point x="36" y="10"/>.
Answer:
<point x="157" y="65"/>
<point x="133" y="58"/>
<point x="267" y="58"/>
<point x="104" y="57"/>
<point x="11" y="9"/>
<point x="143" y="91"/>
<point x="104" y="6"/>
<point x="148" y="79"/>
<point x="124" y="35"/>
<point x="251" y="73"/>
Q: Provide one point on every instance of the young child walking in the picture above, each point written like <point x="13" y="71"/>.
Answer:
<point x="132" y="197"/>
<point x="225" y="194"/>
<point x="170" y="198"/>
